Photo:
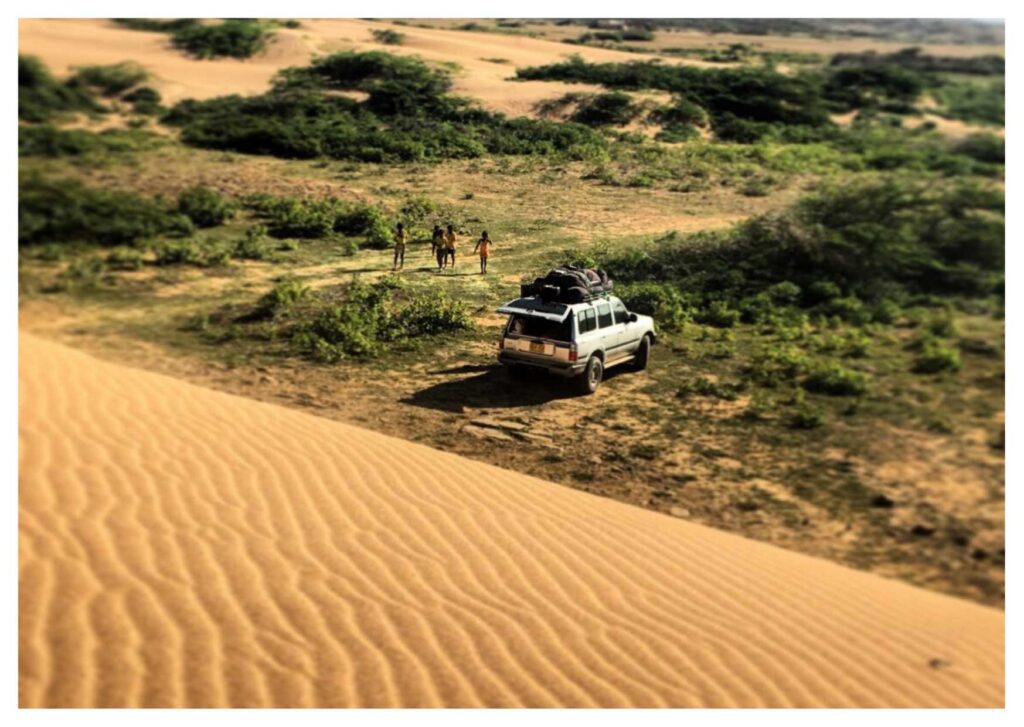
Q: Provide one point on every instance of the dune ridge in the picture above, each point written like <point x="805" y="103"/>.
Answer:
<point x="184" y="547"/>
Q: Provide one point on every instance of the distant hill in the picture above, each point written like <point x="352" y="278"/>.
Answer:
<point x="929" y="30"/>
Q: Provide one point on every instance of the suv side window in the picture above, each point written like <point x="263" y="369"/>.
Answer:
<point x="604" y="315"/>
<point x="620" y="311"/>
<point x="586" y="320"/>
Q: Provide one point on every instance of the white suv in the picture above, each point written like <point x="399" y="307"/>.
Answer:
<point x="578" y="340"/>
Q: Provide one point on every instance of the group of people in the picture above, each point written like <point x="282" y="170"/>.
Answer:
<point x="443" y="243"/>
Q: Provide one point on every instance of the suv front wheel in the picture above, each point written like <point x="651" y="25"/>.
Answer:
<point x="588" y="382"/>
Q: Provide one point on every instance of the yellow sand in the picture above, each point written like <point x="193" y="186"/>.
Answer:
<point x="64" y="44"/>
<point x="183" y="547"/>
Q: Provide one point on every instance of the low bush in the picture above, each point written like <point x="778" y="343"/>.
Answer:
<point x="606" y="109"/>
<point x="124" y="258"/>
<point x="374" y="315"/>
<point x="41" y="97"/>
<point x="935" y="357"/>
<point x="156" y="25"/>
<point x="835" y="380"/>
<point x="110" y="81"/>
<point x="388" y="37"/>
<point x="205" y="207"/>
<point x="144" y="100"/>
<point x="777" y="364"/>
<point x="704" y="386"/>
<point x="805" y="416"/>
<point x="252" y="245"/>
<point x="63" y="210"/>
<point x="230" y="38"/>
<point x="48" y="141"/>
<point x="281" y="298"/>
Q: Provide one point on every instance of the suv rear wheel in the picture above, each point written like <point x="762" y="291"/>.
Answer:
<point x="643" y="352"/>
<point x="588" y="382"/>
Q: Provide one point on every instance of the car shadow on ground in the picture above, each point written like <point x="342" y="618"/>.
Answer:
<point x="492" y="388"/>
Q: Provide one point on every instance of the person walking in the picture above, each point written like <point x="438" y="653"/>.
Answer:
<point x="438" y="249"/>
<point x="450" y="240"/>
<point x="401" y="237"/>
<point x="483" y="245"/>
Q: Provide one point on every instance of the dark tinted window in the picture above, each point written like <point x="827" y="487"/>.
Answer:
<point x="604" y="315"/>
<point x="620" y="311"/>
<point x="587" y="320"/>
<point x="541" y="328"/>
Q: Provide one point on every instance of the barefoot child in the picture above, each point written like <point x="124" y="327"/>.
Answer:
<point x="401" y="237"/>
<point x="484" y="246"/>
<point x="438" y="249"/>
<point x="450" y="239"/>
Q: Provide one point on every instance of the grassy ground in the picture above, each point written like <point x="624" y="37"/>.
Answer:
<point x="905" y="480"/>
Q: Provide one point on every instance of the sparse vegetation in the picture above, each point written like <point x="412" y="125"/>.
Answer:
<point x="388" y="37"/>
<point x="230" y="38"/>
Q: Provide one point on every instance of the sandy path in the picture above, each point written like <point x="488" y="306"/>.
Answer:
<point x="64" y="44"/>
<point x="180" y="546"/>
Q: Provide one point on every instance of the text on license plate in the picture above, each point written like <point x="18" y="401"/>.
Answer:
<point x="536" y="347"/>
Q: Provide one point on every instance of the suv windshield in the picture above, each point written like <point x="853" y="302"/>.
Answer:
<point x="541" y="328"/>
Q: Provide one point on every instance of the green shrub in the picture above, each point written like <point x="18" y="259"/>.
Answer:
<point x="48" y="141"/>
<point x="83" y="274"/>
<point x="835" y="380"/>
<point x="606" y="109"/>
<point x="205" y="207"/>
<point x="231" y="38"/>
<point x="704" y="386"/>
<point x="805" y="416"/>
<point x="41" y="97"/>
<point x="252" y="245"/>
<point x="124" y="258"/>
<point x="372" y="316"/>
<point x="155" y="24"/>
<point x="388" y="37"/>
<point x="935" y="357"/>
<point x="663" y="302"/>
<point x="185" y="252"/>
<point x="144" y="100"/>
<point x="777" y="364"/>
<point x="281" y="298"/>
<point x="719" y="314"/>
<point x="111" y="80"/>
<point x="63" y="210"/>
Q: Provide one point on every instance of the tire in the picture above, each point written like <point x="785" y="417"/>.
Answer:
<point x="643" y="353"/>
<point x="590" y="379"/>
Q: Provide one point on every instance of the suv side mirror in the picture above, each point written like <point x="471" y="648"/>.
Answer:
<point x="632" y="318"/>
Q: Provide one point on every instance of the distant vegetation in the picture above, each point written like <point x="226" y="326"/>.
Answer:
<point x="62" y="211"/>
<point x="388" y="37"/>
<point x="746" y="104"/>
<point x="41" y="97"/>
<point x="156" y="25"/>
<point x="915" y="59"/>
<point x="408" y="116"/>
<point x="230" y="38"/>
<point x="48" y="141"/>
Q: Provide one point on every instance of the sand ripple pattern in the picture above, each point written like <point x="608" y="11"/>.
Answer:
<point x="181" y="547"/>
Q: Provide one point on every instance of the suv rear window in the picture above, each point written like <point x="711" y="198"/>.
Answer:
<point x="535" y="327"/>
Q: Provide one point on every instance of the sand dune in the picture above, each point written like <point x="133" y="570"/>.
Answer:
<point x="183" y="547"/>
<point x="66" y="43"/>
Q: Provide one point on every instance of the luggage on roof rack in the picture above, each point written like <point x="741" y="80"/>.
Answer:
<point x="569" y="284"/>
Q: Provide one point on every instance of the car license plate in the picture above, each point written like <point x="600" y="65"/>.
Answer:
<point x="536" y="347"/>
